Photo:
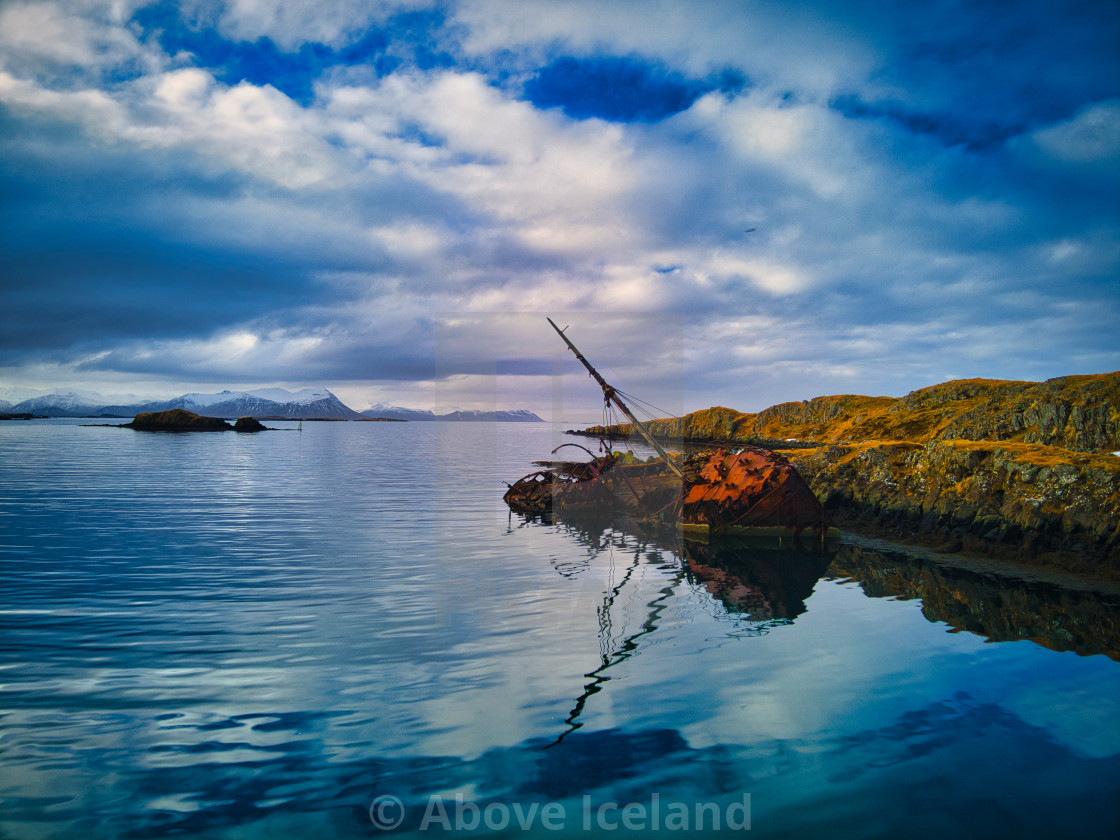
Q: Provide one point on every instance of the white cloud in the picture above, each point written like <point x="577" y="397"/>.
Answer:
<point x="410" y="241"/>
<point x="555" y="185"/>
<point x="807" y="144"/>
<point x="255" y="129"/>
<point x="499" y="154"/>
<point x="187" y="88"/>
<point x="777" y="43"/>
<point x="85" y="34"/>
<point x="270" y="354"/>
<point x="294" y="22"/>
<point x="1061" y="251"/>
<point x="1092" y="136"/>
<point x="776" y="278"/>
<point x="95" y="109"/>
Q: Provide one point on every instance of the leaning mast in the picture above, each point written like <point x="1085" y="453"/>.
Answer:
<point x="612" y="396"/>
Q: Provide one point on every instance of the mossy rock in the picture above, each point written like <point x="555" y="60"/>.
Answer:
<point x="1075" y="413"/>
<point x="177" y="420"/>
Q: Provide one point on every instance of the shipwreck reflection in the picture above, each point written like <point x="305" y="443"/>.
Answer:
<point x="761" y="584"/>
<point x="755" y="586"/>
<point x="976" y="598"/>
<point x="756" y="580"/>
<point x="615" y="648"/>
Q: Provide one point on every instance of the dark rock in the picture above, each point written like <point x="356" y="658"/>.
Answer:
<point x="1019" y="501"/>
<point x="177" y="420"/>
<point x="249" y="424"/>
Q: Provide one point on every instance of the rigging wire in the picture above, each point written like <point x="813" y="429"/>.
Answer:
<point x="609" y="419"/>
<point x="632" y="399"/>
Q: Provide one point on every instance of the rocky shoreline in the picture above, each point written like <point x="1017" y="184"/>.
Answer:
<point x="1008" y="470"/>
<point x="1015" y="501"/>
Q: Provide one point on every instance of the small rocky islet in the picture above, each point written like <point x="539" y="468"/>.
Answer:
<point x="181" y="420"/>
<point x="1021" y="471"/>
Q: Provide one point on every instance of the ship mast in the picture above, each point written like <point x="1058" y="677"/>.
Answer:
<point x="612" y="396"/>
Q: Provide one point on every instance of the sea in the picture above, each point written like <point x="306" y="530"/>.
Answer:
<point x="340" y="630"/>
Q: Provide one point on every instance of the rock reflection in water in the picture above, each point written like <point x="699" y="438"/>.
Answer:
<point x="1001" y="603"/>
<point x="976" y="597"/>
<point x="758" y="585"/>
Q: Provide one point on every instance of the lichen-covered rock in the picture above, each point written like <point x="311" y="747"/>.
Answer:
<point x="710" y="424"/>
<point x="177" y="420"/>
<point x="1080" y="413"/>
<point x="1014" y="500"/>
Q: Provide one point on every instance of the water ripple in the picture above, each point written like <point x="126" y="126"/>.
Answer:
<point x="222" y="635"/>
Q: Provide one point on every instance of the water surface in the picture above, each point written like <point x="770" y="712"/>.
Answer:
<point x="223" y="635"/>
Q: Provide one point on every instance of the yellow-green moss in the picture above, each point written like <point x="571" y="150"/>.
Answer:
<point x="1080" y="413"/>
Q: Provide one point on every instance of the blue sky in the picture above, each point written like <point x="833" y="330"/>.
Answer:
<point x="736" y="203"/>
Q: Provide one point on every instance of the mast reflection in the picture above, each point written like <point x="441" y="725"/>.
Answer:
<point x="758" y="585"/>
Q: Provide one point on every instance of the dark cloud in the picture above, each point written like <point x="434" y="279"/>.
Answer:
<point x="92" y="252"/>
<point x="93" y="293"/>
<point x="978" y="73"/>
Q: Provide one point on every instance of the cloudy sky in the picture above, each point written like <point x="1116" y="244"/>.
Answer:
<point x="730" y="202"/>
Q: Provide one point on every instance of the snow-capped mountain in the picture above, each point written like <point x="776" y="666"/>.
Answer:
<point x="263" y="403"/>
<point x="308" y="404"/>
<point x="13" y="395"/>
<point x="398" y="413"/>
<point x="70" y="404"/>
<point x="517" y="416"/>
<point x="277" y="395"/>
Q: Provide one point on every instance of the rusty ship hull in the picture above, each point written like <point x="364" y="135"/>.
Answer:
<point x="749" y="492"/>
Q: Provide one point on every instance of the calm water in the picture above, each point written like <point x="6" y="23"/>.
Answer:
<point x="303" y="634"/>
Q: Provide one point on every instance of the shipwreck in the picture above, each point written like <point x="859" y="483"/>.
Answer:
<point x="741" y="492"/>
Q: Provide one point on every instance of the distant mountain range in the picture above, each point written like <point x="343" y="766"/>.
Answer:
<point x="264" y="403"/>
<point x="395" y="412"/>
